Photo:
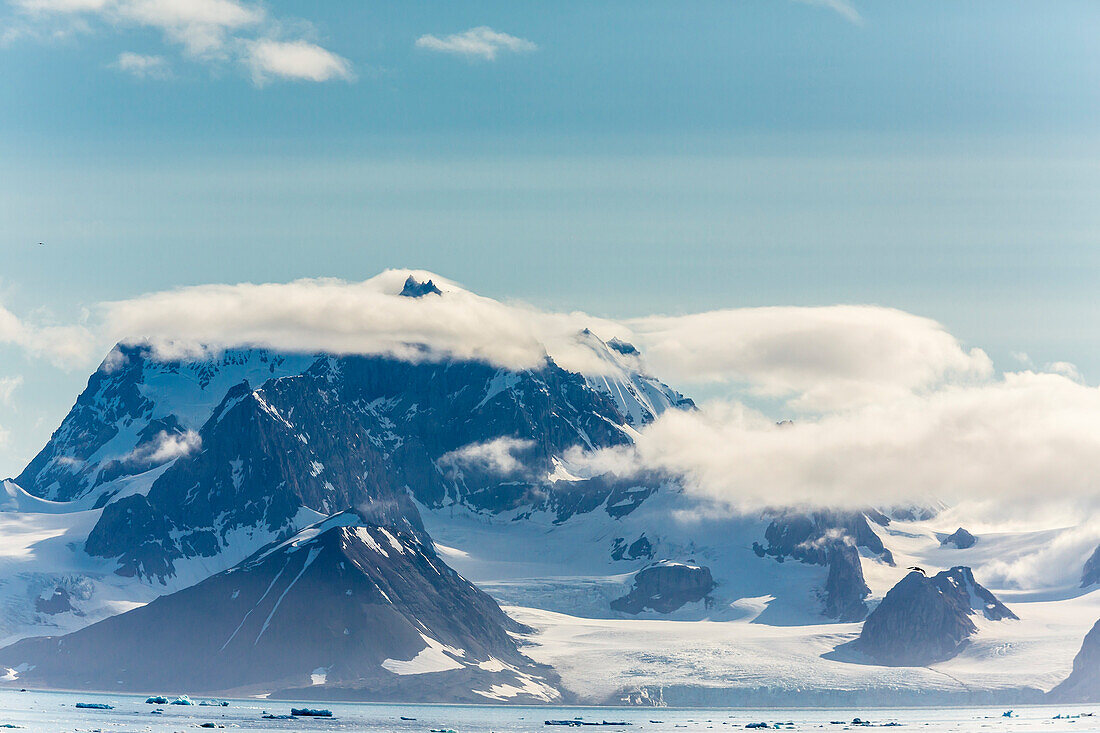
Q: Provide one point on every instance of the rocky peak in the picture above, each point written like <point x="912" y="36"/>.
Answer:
<point x="961" y="539"/>
<point x="415" y="289"/>
<point x="925" y="620"/>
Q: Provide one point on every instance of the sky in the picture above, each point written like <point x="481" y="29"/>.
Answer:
<point x="624" y="159"/>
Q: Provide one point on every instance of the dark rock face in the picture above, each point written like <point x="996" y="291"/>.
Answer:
<point x="372" y="608"/>
<point x="1083" y="684"/>
<point x="57" y="603"/>
<point x="1090" y="575"/>
<point x="926" y="620"/>
<point x="665" y="587"/>
<point x="354" y="432"/>
<point x="639" y="548"/>
<point x="113" y="429"/>
<point x="845" y="588"/>
<point x="960" y="581"/>
<point x="805" y="536"/>
<point x="832" y="539"/>
<point x="961" y="539"/>
<point x="415" y="289"/>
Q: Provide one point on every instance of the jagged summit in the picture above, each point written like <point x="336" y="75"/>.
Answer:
<point x="414" y="288"/>
<point x="960" y="538"/>
<point x="344" y="609"/>
<point x="923" y="620"/>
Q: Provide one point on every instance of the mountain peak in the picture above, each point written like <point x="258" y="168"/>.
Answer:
<point x="415" y="289"/>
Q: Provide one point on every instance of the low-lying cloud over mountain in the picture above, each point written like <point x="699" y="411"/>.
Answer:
<point x="889" y="407"/>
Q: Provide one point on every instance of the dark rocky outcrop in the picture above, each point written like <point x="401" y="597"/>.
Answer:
<point x="832" y="539"/>
<point x="1083" y="684"/>
<point x="637" y="549"/>
<point x="926" y="620"/>
<point x="961" y="539"/>
<point x="346" y="599"/>
<point x="664" y="587"/>
<point x="58" y="602"/>
<point x="805" y="536"/>
<point x="1090" y="574"/>
<point x="846" y="590"/>
<point x="970" y="594"/>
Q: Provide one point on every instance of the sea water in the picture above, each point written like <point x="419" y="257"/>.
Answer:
<point x="54" y="712"/>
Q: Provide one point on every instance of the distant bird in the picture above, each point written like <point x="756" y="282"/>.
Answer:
<point x="919" y="570"/>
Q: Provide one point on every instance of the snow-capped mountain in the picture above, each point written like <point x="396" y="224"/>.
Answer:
<point x="343" y="609"/>
<point x="168" y="477"/>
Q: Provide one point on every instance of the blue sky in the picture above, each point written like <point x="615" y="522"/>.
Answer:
<point x="624" y="158"/>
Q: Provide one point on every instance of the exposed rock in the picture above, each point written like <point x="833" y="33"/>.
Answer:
<point x="664" y="587"/>
<point x="845" y="589"/>
<point x="1090" y="575"/>
<point x="806" y="536"/>
<point x="1083" y="684"/>
<point x="960" y="581"/>
<point x="416" y="289"/>
<point x="374" y="606"/>
<point x="961" y="539"/>
<point x="637" y="549"/>
<point x="57" y="603"/>
<point x="925" y="620"/>
<point x="832" y="539"/>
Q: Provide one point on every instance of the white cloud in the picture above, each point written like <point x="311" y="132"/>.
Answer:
<point x="822" y="357"/>
<point x="482" y="42"/>
<point x="167" y="447"/>
<point x="1023" y="440"/>
<point x="208" y="30"/>
<point x="495" y="456"/>
<point x="818" y="358"/>
<point x="843" y="7"/>
<point x="295" y="60"/>
<point x="8" y="385"/>
<point x="142" y="66"/>
<point x="66" y="346"/>
<point x="344" y="318"/>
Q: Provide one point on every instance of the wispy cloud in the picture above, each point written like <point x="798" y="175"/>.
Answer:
<point x="211" y="31"/>
<point x="142" y="66"/>
<point x="8" y="385"/>
<point x="842" y="7"/>
<point x="65" y="346"/>
<point x="476" y="43"/>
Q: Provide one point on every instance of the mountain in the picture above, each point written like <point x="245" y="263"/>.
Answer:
<point x="345" y="609"/>
<point x="961" y="539"/>
<point x="1083" y="684"/>
<point x="168" y="477"/>
<point x="924" y="620"/>
<point x="132" y="413"/>
<point x="321" y="434"/>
